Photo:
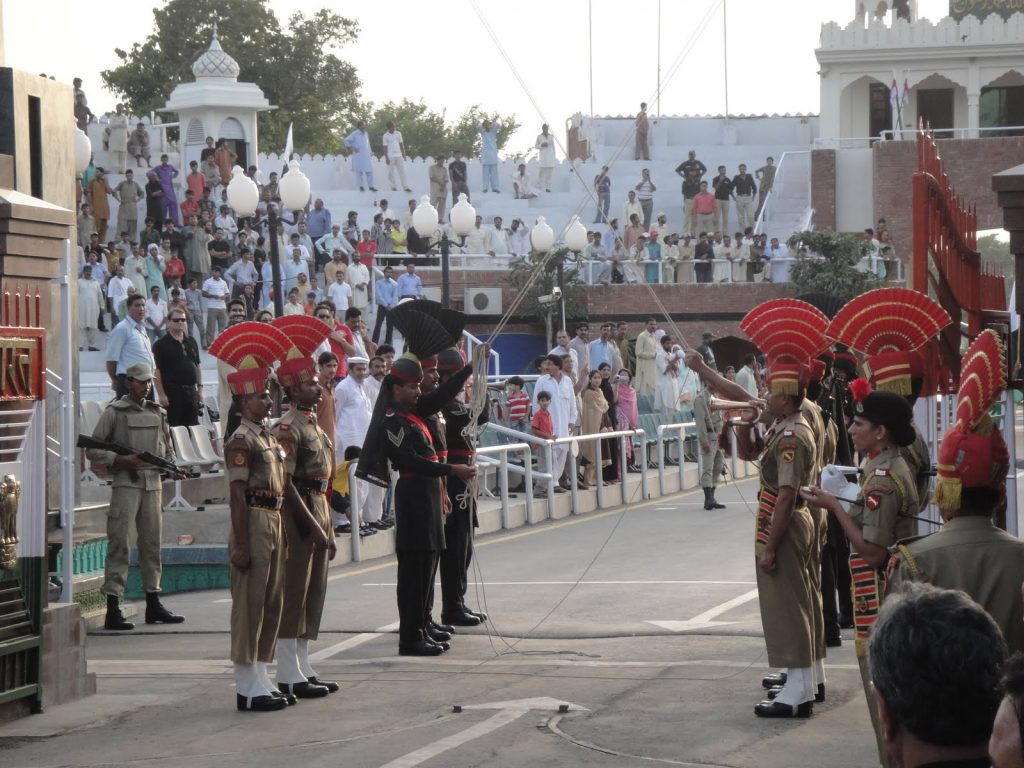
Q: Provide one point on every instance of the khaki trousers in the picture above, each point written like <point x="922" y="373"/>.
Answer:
<point x="305" y="575"/>
<point x="711" y="465"/>
<point x="722" y="216"/>
<point x="688" y="216"/>
<point x="819" y="517"/>
<point x="744" y="212"/>
<point x="146" y="508"/>
<point x="256" y="592"/>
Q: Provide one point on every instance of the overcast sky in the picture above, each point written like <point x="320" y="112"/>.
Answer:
<point x="442" y="53"/>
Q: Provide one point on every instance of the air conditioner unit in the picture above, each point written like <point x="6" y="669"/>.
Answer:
<point x="483" y="301"/>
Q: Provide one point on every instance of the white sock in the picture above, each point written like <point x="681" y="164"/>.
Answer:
<point x="819" y="673"/>
<point x="799" y="687"/>
<point x="247" y="681"/>
<point x="264" y="679"/>
<point x="302" y="653"/>
<point x="287" y="662"/>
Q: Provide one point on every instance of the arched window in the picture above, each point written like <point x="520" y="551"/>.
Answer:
<point x="195" y="133"/>
<point x="231" y="129"/>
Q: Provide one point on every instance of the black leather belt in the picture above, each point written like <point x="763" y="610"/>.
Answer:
<point x="265" y="502"/>
<point x="311" y="486"/>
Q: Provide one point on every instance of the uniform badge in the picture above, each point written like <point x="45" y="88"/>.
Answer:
<point x="872" y="501"/>
<point x="396" y="440"/>
<point x="281" y="454"/>
<point x="881" y="472"/>
<point x="788" y="454"/>
<point x="787" y="433"/>
<point x="891" y="567"/>
<point x="239" y="460"/>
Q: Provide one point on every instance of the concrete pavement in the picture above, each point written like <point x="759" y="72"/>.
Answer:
<point x="583" y="611"/>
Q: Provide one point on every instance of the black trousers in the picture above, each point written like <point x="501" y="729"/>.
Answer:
<point x="455" y="560"/>
<point x="182" y="405"/>
<point x="416" y="568"/>
<point x="382" y="317"/>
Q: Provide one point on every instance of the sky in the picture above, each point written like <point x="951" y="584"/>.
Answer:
<point x="442" y="53"/>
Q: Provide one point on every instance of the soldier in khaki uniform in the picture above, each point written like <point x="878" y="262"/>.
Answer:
<point x="969" y="552"/>
<point x="255" y="470"/>
<point x="712" y="458"/>
<point x="881" y="514"/>
<point x="137" y="422"/>
<point x="308" y="468"/>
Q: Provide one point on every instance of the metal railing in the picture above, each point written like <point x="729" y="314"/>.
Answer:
<point x="681" y="429"/>
<point x="792" y="181"/>
<point x="484" y="456"/>
<point x="909" y="134"/>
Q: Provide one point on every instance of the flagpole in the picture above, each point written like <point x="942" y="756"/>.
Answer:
<point x="658" y="92"/>
<point x="590" y="38"/>
<point x="725" y="55"/>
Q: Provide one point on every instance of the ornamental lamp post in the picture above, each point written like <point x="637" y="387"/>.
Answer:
<point x="83" y="151"/>
<point x="244" y="197"/>
<point x="425" y="220"/>
<point x="575" y="241"/>
<point x="542" y="240"/>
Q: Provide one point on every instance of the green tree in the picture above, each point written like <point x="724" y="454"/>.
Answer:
<point x="425" y="132"/>
<point x="837" y="274"/>
<point x="295" y="66"/>
<point x="996" y="252"/>
<point x="549" y="312"/>
<point x="463" y="134"/>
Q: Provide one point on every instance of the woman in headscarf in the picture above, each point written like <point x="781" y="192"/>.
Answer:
<point x="155" y="270"/>
<point x="595" y="406"/>
<point x="627" y="414"/>
<point x="609" y="447"/>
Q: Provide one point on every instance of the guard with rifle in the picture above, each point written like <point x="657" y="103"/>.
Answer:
<point x="138" y="423"/>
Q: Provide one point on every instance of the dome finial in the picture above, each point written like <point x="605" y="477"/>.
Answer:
<point x="214" y="29"/>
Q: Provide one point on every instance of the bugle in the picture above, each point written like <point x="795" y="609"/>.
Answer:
<point x="753" y="409"/>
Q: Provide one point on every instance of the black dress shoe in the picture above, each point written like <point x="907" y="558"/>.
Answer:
<point x="833" y="642"/>
<point x="330" y="685"/>
<point x="258" y="703"/>
<point x="156" y="613"/>
<point x="441" y="627"/>
<point x="775" y="709"/>
<point x="419" y="648"/>
<point x="479" y="614"/>
<point x="437" y="635"/>
<point x="460" y="619"/>
<point x="288" y="697"/>
<point x="819" y="697"/>
<point x="442" y="644"/>
<point x="304" y="690"/>
<point x="774" y="679"/>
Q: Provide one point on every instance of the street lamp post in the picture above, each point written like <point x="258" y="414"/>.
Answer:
<point x="575" y="241"/>
<point x="425" y="220"/>
<point x="542" y="240"/>
<point x="243" y="197"/>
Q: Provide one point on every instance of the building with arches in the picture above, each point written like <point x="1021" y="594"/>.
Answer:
<point x="217" y="105"/>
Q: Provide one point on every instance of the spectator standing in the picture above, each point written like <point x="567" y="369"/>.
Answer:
<point x="603" y="350"/>
<point x="115" y="138"/>
<point x="166" y="174"/>
<point x="603" y="191"/>
<point x="240" y="274"/>
<point x="744" y="187"/>
<point x="766" y="177"/>
<point x="641" y="148"/>
<point x="703" y="257"/>
<point x="704" y="209"/>
<point x="156" y="315"/>
<point x="358" y="143"/>
<point x="128" y="194"/>
<point x="519" y="239"/>
<point x="155" y="263"/>
<point x="394" y="156"/>
<point x="747" y="376"/>
<point x="489" y="154"/>
<point x="410" y="286"/>
<point x="90" y="302"/>
<point x="593" y="420"/>
<point x="722" y="185"/>
<point x="385" y="290"/>
<point x="496" y="241"/>
<point x="580" y="344"/>
<point x="691" y="188"/>
<point x="564" y="347"/>
<point x="99" y="190"/>
<point x="225" y="158"/>
<point x="135" y="269"/>
<point x="195" y="182"/>
<point x="154" y="201"/>
<point x="194" y="308"/>
<point x="86" y="225"/>
<point x="437" y="175"/>
<point x="215" y="291"/>
<point x="208" y="150"/>
<point x="564" y="414"/>
<point x="545" y="145"/>
<point x="626" y="414"/>
<point x="542" y="426"/>
<point x="178" y="376"/>
<point x="645" y="196"/>
<point x="459" y="175"/>
<point x="668" y="386"/>
<point x="517" y="403"/>
<point x="340" y="294"/>
<point x="631" y="208"/>
<point x="119" y="288"/>
<point x="128" y="344"/>
<point x="777" y="256"/>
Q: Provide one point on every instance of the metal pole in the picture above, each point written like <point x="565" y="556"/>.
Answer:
<point x="445" y="273"/>
<point x="67" y="432"/>
<point x="598" y="474"/>
<point x="725" y="54"/>
<point x="644" y="493"/>
<point x="561" y="299"/>
<point x="661" y="461"/>
<point x="590" y="38"/>
<point x="658" y="91"/>
<point x="503" y="486"/>
<point x="528" y="483"/>
<point x="275" y="261"/>
<point x="354" y="512"/>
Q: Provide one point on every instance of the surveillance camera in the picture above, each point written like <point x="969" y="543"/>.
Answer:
<point x="556" y="292"/>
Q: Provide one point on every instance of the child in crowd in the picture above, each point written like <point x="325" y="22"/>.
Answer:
<point x="518" y="403"/>
<point x="341" y="499"/>
<point x="543" y="427"/>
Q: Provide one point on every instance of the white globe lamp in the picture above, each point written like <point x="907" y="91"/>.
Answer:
<point x="294" y="187"/>
<point x="463" y="216"/>
<point x="243" y="194"/>
<point x="424" y="218"/>
<point x="83" y="151"/>
<point x="542" y="237"/>
<point x="576" y="235"/>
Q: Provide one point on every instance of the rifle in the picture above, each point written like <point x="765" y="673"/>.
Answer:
<point x="86" y="441"/>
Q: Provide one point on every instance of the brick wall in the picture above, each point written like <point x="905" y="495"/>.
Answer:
<point x="823" y="188"/>
<point x="969" y="163"/>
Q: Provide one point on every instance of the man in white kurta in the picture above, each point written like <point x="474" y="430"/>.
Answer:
<point x="564" y="413"/>
<point x="358" y="277"/>
<point x="115" y="140"/>
<point x="666" y="392"/>
<point x="354" y="398"/>
<point x="361" y="162"/>
<point x="545" y="145"/>
<point x="646" y="351"/>
<point x="135" y="269"/>
<point x="394" y="154"/>
<point x="90" y="299"/>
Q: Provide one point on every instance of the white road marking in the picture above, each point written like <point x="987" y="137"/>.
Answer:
<point x="352" y="642"/>
<point x="582" y="583"/>
<point x="508" y="712"/>
<point x="706" y="620"/>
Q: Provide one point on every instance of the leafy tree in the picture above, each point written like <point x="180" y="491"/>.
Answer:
<point x="996" y="252"/>
<point x="425" y="133"/>
<point x="310" y="85"/>
<point x="573" y="292"/>
<point x="837" y="274"/>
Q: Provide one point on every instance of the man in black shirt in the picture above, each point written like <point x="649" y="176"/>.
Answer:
<point x="208" y="150"/>
<point x="723" y="194"/>
<point x="691" y="163"/>
<point x="459" y="175"/>
<point x="220" y="250"/>
<point x="703" y="255"/>
<point x="744" y="188"/>
<point x="178" y="376"/>
<point x="691" y="186"/>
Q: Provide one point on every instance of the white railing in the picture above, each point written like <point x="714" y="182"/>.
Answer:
<point x="663" y="431"/>
<point x="792" y="182"/>
<point x="484" y="457"/>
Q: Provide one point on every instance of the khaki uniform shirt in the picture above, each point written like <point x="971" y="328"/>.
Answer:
<point x="142" y="427"/>
<point x="309" y="454"/>
<point x="254" y="457"/>
<point x="973" y="555"/>
<point x="811" y="412"/>
<point x="789" y="455"/>
<point x="888" y="499"/>
<point x="709" y="423"/>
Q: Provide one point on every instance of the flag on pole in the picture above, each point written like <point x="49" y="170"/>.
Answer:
<point x="288" y="149"/>
<point x="894" y="93"/>
<point x="905" y="97"/>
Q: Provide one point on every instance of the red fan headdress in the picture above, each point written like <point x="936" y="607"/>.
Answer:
<point x="305" y="334"/>
<point x="886" y="325"/>
<point x="973" y="453"/>
<point x="790" y="332"/>
<point x="250" y="348"/>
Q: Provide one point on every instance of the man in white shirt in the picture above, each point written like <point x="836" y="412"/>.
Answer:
<point x="359" y="279"/>
<point x="215" y="291"/>
<point x="496" y="242"/>
<point x="475" y="238"/>
<point x="394" y="156"/>
<point x="290" y="269"/>
<point x="333" y="241"/>
<point x="118" y="289"/>
<point x="519" y="239"/>
<point x="354" y="398"/>
<point x="631" y="206"/>
<point x="747" y="377"/>
<point x="563" y="348"/>
<point x="545" y="145"/>
<point x="156" y="315"/>
<point x="226" y="222"/>
<point x="563" y="412"/>
<point x="340" y="294"/>
<point x="522" y="184"/>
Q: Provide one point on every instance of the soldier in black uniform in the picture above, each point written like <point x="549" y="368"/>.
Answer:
<point x="458" y="534"/>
